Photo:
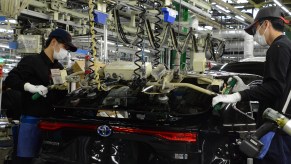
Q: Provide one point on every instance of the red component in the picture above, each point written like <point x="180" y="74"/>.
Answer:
<point x="285" y="20"/>
<point x="51" y="126"/>
<point x="1" y="70"/>
<point x="168" y="135"/>
<point x="87" y="72"/>
<point x="87" y="57"/>
<point x="209" y="65"/>
<point x="172" y="136"/>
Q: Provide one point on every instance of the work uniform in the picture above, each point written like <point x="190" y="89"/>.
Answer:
<point x="36" y="70"/>
<point x="273" y="93"/>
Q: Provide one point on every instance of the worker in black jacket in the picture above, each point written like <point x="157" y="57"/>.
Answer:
<point x="33" y="75"/>
<point x="267" y="29"/>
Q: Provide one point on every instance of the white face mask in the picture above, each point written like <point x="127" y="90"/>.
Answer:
<point x="62" y="54"/>
<point x="260" y="39"/>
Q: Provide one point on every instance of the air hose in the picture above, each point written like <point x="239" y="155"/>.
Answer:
<point x="157" y="32"/>
<point x="227" y="90"/>
<point x="138" y="81"/>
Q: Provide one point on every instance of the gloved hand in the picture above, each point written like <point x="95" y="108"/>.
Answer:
<point x="40" y="89"/>
<point x="239" y="86"/>
<point x="232" y="98"/>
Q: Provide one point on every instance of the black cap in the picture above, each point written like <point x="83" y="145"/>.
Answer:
<point x="264" y="14"/>
<point x="64" y="37"/>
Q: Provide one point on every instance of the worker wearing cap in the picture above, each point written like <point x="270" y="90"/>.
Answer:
<point x="267" y="30"/>
<point x="32" y="75"/>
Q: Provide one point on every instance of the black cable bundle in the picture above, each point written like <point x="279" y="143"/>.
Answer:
<point x="137" y="81"/>
<point x="157" y="32"/>
<point x="119" y="27"/>
<point x="215" y="47"/>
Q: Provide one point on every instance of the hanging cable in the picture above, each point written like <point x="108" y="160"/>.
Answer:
<point x="90" y="74"/>
<point x="119" y="27"/>
<point x="150" y="33"/>
<point x="174" y="39"/>
<point x="157" y="33"/>
<point x="137" y="81"/>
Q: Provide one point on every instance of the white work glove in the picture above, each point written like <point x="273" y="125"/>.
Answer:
<point x="232" y="98"/>
<point x="42" y="90"/>
<point x="239" y="86"/>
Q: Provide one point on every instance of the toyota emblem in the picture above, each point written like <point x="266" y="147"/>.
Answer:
<point x="104" y="131"/>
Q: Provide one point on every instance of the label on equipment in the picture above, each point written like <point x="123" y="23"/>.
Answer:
<point x="56" y="76"/>
<point x="181" y="156"/>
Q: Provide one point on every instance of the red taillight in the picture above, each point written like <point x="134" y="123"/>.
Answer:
<point x="45" y="125"/>
<point x="173" y="136"/>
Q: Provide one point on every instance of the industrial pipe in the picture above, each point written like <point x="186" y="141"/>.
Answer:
<point x="194" y="87"/>
<point x="248" y="45"/>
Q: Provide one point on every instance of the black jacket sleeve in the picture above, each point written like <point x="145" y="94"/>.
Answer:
<point x="274" y="82"/>
<point x="20" y="74"/>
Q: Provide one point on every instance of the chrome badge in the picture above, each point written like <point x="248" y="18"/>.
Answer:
<point x="104" y="131"/>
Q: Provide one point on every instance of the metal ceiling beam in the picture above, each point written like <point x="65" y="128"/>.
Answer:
<point x="259" y="5"/>
<point x="38" y="4"/>
<point x="193" y="8"/>
<point x="79" y="1"/>
<point x="209" y="22"/>
<point x="234" y="10"/>
<point x="232" y="16"/>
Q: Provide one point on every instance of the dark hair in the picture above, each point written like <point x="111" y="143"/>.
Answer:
<point x="48" y="41"/>
<point x="277" y="23"/>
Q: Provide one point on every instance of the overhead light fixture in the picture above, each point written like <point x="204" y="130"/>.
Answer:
<point x="108" y="42"/>
<point x="201" y="28"/>
<point x="278" y="3"/>
<point x="148" y="51"/>
<point x="208" y="27"/>
<point x="223" y="9"/>
<point x="13" y="21"/>
<point x="238" y="7"/>
<point x="145" y="50"/>
<point x="285" y="9"/>
<point x="228" y="1"/>
<point x="242" y="1"/>
<point x="4" y="46"/>
<point x="282" y="6"/>
<point x="240" y="18"/>
<point x="5" y="30"/>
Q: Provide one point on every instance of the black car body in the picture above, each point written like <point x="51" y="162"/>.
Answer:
<point x="253" y="65"/>
<point x="124" y="126"/>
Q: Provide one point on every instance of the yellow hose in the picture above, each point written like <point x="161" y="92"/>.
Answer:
<point x="93" y="44"/>
<point x="194" y="87"/>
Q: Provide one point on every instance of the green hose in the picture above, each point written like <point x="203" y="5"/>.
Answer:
<point x="227" y="90"/>
<point x="35" y="96"/>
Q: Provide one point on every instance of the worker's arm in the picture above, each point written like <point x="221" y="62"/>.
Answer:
<point x="276" y="68"/>
<point x="20" y="74"/>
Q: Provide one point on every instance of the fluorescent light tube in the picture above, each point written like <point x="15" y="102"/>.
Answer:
<point x="240" y="18"/>
<point x="285" y="9"/>
<point x="223" y="9"/>
<point x="278" y="3"/>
